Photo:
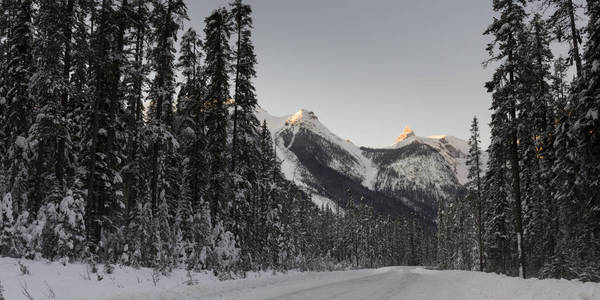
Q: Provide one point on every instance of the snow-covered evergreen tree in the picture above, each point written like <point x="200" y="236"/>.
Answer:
<point x="244" y="152"/>
<point x="475" y="188"/>
<point x="16" y="104"/>
<point x="7" y="230"/>
<point x="563" y="22"/>
<point x="507" y="94"/>
<point x="218" y="61"/>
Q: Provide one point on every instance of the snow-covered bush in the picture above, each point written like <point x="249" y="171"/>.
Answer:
<point x="7" y="226"/>
<point x="203" y="240"/>
<point x="70" y="226"/>
<point x="224" y="253"/>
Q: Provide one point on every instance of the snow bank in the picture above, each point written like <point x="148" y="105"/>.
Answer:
<point x="493" y="286"/>
<point x="52" y="280"/>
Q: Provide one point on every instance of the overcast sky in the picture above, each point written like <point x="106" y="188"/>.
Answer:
<point x="370" y="68"/>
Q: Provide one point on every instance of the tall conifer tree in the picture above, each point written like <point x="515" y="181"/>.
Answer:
<point x="507" y="31"/>
<point x="475" y="186"/>
<point x="218" y="61"/>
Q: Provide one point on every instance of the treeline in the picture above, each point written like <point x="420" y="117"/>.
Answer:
<point x="360" y="237"/>
<point x="536" y="211"/>
<point x="116" y="149"/>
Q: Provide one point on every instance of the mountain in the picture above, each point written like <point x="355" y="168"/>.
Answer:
<point x="410" y="176"/>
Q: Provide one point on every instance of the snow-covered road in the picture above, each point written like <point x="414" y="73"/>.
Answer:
<point x="52" y="280"/>
<point x="390" y="283"/>
<point x="393" y="283"/>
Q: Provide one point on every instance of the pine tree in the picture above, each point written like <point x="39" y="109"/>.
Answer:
<point x="564" y="24"/>
<point x="245" y="124"/>
<point x="104" y="134"/>
<point x="53" y="163"/>
<point x="189" y="63"/>
<point x="585" y="106"/>
<point x="497" y="231"/>
<point x="536" y="142"/>
<point x="560" y="86"/>
<point x="245" y="130"/>
<point x="265" y="217"/>
<point x="137" y="213"/>
<point x="475" y="186"/>
<point x="218" y="56"/>
<point x="576" y="171"/>
<point x="166" y="18"/>
<point x="191" y="130"/>
<point x="507" y="31"/>
<point x="16" y="105"/>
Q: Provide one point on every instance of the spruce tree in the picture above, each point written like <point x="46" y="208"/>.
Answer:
<point x="165" y="193"/>
<point x="55" y="184"/>
<point x="475" y="186"/>
<point x="166" y="18"/>
<point x="245" y="129"/>
<point x="218" y="57"/>
<point x="134" y="81"/>
<point x="576" y="171"/>
<point x="507" y="31"/>
<point x="103" y="155"/>
<point x="563" y="21"/>
<point x="16" y="105"/>
<point x="536" y="142"/>
<point x="498" y="213"/>
<point x="586" y="106"/>
<point x="245" y="124"/>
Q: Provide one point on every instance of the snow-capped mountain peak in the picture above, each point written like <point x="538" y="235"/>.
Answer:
<point x="453" y="149"/>
<point x="301" y="116"/>
<point x="408" y="132"/>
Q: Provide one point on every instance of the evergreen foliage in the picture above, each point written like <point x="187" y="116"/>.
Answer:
<point x="549" y="127"/>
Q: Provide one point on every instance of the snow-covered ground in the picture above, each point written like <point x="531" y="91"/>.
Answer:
<point x="55" y="281"/>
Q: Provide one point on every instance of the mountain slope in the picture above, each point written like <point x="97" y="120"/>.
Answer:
<point x="408" y="177"/>
<point x="453" y="149"/>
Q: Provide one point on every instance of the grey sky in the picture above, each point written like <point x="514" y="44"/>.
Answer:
<point x="369" y="68"/>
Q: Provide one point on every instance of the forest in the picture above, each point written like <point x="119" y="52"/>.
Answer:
<point x="535" y="211"/>
<point x="127" y="139"/>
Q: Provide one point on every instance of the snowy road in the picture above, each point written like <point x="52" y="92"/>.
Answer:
<point x="394" y="283"/>
<point x="52" y="280"/>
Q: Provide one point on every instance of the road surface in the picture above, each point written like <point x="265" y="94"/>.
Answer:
<point x="392" y="283"/>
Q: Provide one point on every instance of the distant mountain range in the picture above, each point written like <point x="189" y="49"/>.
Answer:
<point x="410" y="176"/>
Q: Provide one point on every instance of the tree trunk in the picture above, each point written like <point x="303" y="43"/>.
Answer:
<point x="95" y="201"/>
<point x="514" y="159"/>
<point x="479" y="210"/>
<point x="135" y="111"/>
<point x="574" y="38"/>
<point x="158" y="117"/>
<point x="237" y="88"/>
<point x="60" y="155"/>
